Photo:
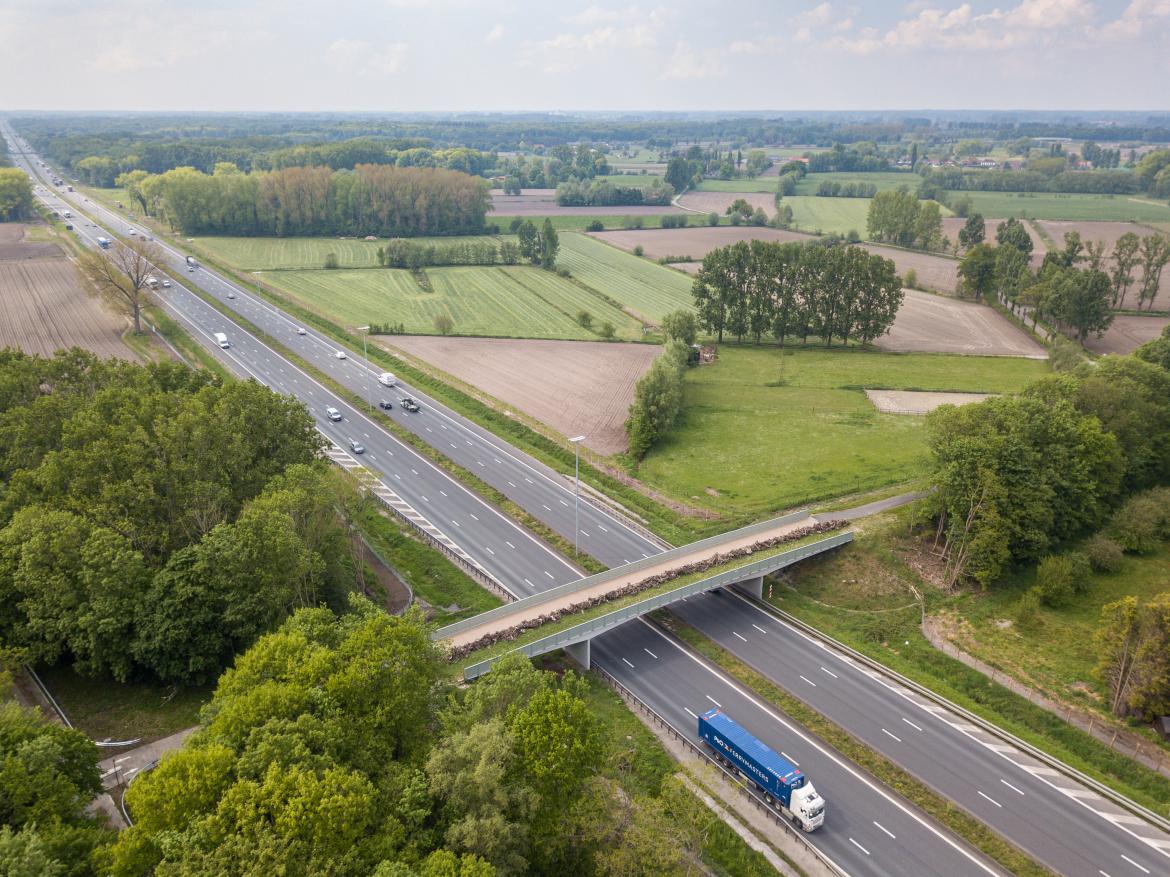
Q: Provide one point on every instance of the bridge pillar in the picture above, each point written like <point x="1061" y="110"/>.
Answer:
<point x="579" y="652"/>
<point x="752" y="587"/>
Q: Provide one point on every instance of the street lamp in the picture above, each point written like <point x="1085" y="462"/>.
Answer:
<point x="576" y="440"/>
<point x="365" y="330"/>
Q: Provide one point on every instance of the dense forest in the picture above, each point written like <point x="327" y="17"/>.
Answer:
<point x="372" y="199"/>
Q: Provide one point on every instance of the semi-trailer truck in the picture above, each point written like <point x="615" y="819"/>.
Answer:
<point x="782" y="782"/>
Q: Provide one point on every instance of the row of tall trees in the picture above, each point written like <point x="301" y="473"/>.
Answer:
<point x="155" y="521"/>
<point x="899" y="217"/>
<point x="602" y="193"/>
<point x="1119" y="182"/>
<point x="838" y="189"/>
<point x="757" y="288"/>
<point x="370" y="200"/>
<point x="405" y="253"/>
<point x="1014" y="476"/>
<point x="657" y="397"/>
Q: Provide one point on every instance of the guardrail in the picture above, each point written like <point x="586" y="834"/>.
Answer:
<point x="601" y="623"/>
<point x="48" y="695"/>
<point x="977" y="720"/>
<point x="747" y="791"/>
<point x="590" y="581"/>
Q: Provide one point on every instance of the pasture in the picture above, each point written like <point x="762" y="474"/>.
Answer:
<point x="1106" y="208"/>
<point x="272" y="254"/>
<point x="829" y="215"/>
<point x="645" y="287"/>
<point x="541" y="202"/>
<point x="759" y="184"/>
<point x="508" y="302"/>
<point x="769" y="428"/>
<point x="884" y="180"/>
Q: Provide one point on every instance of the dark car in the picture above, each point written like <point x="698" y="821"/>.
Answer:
<point x="385" y="404"/>
<point x="408" y="404"/>
<point x="356" y="446"/>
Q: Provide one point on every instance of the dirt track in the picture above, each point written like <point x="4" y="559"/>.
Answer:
<point x="918" y="402"/>
<point x="934" y="324"/>
<point x="1127" y="334"/>
<point x="575" y="387"/>
<point x="45" y="308"/>
<point x="543" y="202"/>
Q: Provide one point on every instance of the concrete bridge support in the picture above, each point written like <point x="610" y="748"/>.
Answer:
<point x="580" y="653"/>
<point x="753" y="587"/>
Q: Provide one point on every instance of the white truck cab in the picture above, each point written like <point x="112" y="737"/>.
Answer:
<point x="222" y="340"/>
<point x="807" y="807"/>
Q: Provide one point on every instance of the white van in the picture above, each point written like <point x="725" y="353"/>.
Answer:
<point x="221" y="340"/>
<point x="386" y="379"/>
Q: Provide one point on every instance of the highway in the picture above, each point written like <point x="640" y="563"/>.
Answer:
<point x="1055" y="826"/>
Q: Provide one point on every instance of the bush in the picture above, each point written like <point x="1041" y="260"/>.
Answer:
<point x="331" y="261"/>
<point x="1104" y="554"/>
<point x="712" y="219"/>
<point x="854" y="238"/>
<point x="1140" y="525"/>
<point x="736" y="219"/>
<point x="1027" y="610"/>
<point x="595" y="225"/>
<point x="1060" y="577"/>
<point x="607" y="331"/>
<point x="444" y="325"/>
<point x="584" y="319"/>
<point x="629" y="222"/>
<point x="910" y="281"/>
<point x="563" y="272"/>
<point x="1065" y="355"/>
<point x="638" y="250"/>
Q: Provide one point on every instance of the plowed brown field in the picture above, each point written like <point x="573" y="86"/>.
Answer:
<point x="543" y="202"/>
<point x="45" y="308"/>
<point x="575" y="387"/>
<point x="1109" y="232"/>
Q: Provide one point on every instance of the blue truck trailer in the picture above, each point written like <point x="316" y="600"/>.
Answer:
<point x="781" y="781"/>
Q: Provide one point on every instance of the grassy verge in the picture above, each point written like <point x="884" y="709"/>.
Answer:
<point x="971" y="830"/>
<point x="452" y="594"/>
<point x="106" y="709"/>
<point x="859" y="596"/>
<point x="193" y="352"/>
<point x="640" y="764"/>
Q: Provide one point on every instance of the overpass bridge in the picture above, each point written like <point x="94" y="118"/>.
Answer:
<point x="514" y="619"/>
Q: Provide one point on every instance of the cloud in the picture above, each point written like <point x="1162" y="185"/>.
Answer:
<point x="686" y="63"/>
<point x="815" y="17"/>
<point x="359" y="56"/>
<point x="1136" y="17"/>
<point x="495" y="34"/>
<point x="629" y="31"/>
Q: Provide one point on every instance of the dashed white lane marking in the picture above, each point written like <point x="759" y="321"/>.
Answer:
<point x="424" y="499"/>
<point x="473" y="517"/>
<point x="546" y="508"/>
<point x="602" y="529"/>
<point x="831" y="673"/>
<point x="1010" y="786"/>
<point x="627" y="663"/>
<point x="415" y="471"/>
<point x="989" y="798"/>
<point x="562" y="502"/>
<point x="529" y="583"/>
<point x="888" y="734"/>
<point x="790" y="758"/>
<point x="886" y="830"/>
<point x="511" y="484"/>
<point x="859" y="846"/>
<point x="809" y="681"/>
<point x="509" y="544"/>
<point x="688" y="709"/>
<point x="443" y="492"/>
<point x="1102" y="873"/>
<point x="760" y="629"/>
<point x="584" y="532"/>
<point x="1144" y="870"/>
<point x="744" y="638"/>
<point x="911" y="724"/>
<point x="713" y="700"/>
<point x="489" y="551"/>
<point x="549" y="574"/>
<point x="650" y="653"/>
<point x="455" y="522"/>
<point x="529" y="480"/>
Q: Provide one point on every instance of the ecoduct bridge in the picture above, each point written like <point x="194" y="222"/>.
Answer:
<point x="556" y="604"/>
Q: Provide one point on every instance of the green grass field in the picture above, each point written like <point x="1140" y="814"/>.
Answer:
<point x="1111" y="208"/>
<point x="759" y="184"/>
<point x="639" y="180"/>
<point x="647" y="287"/>
<point x="268" y="254"/>
<point x="571" y="222"/>
<point x="768" y="429"/>
<point x="883" y="180"/>
<point x="517" y="302"/>
<point x="829" y="215"/>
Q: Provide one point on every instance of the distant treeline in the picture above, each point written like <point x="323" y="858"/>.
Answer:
<point x="601" y="193"/>
<point x="865" y="157"/>
<point x="400" y="253"/>
<point x="1094" y="182"/>
<point x="835" y="189"/>
<point x="369" y="200"/>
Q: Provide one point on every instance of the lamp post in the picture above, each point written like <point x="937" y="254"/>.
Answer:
<point x="576" y="440"/>
<point x="365" y="330"/>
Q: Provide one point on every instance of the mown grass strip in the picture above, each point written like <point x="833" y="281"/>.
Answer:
<point x="965" y="826"/>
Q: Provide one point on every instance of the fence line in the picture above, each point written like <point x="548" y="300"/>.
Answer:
<point x="1120" y="740"/>
<point x="732" y="776"/>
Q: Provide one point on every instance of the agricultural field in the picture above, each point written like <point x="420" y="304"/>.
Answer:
<point x="1108" y="233"/>
<point x="543" y="202"/>
<point x="829" y="215"/>
<point x="648" y="289"/>
<point x="695" y="242"/>
<point x="929" y="323"/>
<point x="272" y="254"/>
<point x="884" y="180"/>
<point x="502" y="301"/>
<point x="935" y="272"/>
<point x="1104" y="208"/>
<point x="575" y="387"/>
<point x="718" y="202"/>
<point x="759" y="184"/>
<point x="769" y="428"/>
<point x="1127" y="333"/>
<point x="953" y="224"/>
<point x="46" y="307"/>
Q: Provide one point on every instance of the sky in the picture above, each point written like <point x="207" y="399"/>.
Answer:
<point x="565" y="55"/>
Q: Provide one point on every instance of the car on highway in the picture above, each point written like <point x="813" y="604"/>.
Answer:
<point x="190" y="269"/>
<point x="356" y="446"/>
<point x="333" y="414"/>
<point x="385" y="404"/>
<point x="166" y="284"/>
<point x="408" y="404"/>
<point x="340" y="354"/>
<point x="386" y="379"/>
<point x="301" y="330"/>
<point x="231" y="295"/>
<point x="131" y="231"/>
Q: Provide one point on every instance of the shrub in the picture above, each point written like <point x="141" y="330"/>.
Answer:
<point x="910" y="281"/>
<point x="1060" y="577"/>
<point x="584" y="319"/>
<point x="1065" y="355"/>
<point x="1104" y="554"/>
<point x="736" y="219"/>
<point x="444" y="325"/>
<point x="1027" y="609"/>
<point x="632" y="222"/>
<point x="607" y="331"/>
<point x="331" y="260"/>
<point x="712" y="219"/>
<point x="563" y="271"/>
<point x="854" y="238"/>
<point x="638" y="250"/>
<point x="1140" y="524"/>
<point x="595" y="225"/>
